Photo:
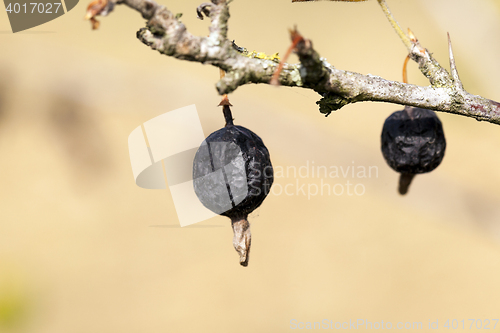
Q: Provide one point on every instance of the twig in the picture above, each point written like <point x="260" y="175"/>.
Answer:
<point x="168" y="35"/>
<point x="296" y="38"/>
<point x="395" y="24"/>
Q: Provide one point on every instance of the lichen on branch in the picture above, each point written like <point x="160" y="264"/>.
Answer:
<point x="166" y="33"/>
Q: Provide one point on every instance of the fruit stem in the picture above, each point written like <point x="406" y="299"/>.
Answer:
<point x="404" y="182"/>
<point x="227" y="115"/>
<point x="242" y="239"/>
<point x="409" y="111"/>
<point x="225" y="103"/>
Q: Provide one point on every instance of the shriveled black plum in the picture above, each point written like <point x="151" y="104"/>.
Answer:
<point x="232" y="175"/>
<point x="413" y="142"/>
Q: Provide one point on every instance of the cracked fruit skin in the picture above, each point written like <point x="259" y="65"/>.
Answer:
<point x="244" y="173"/>
<point x="413" y="142"/>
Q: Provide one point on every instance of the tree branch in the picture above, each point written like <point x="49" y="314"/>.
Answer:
<point x="165" y="33"/>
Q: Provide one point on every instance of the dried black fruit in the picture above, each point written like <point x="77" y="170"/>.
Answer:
<point x="412" y="142"/>
<point x="232" y="175"/>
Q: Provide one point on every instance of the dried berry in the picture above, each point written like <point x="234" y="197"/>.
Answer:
<point x="412" y="142"/>
<point x="232" y="175"/>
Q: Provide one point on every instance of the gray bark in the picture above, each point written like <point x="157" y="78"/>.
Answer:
<point x="168" y="35"/>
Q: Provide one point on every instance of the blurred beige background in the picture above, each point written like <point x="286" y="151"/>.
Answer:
<point x="83" y="249"/>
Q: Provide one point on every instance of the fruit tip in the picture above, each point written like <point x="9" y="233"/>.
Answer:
<point x="242" y="239"/>
<point x="404" y="182"/>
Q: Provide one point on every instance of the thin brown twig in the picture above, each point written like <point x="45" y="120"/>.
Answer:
<point x="296" y="39"/>
<point x="405" y="73"/>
